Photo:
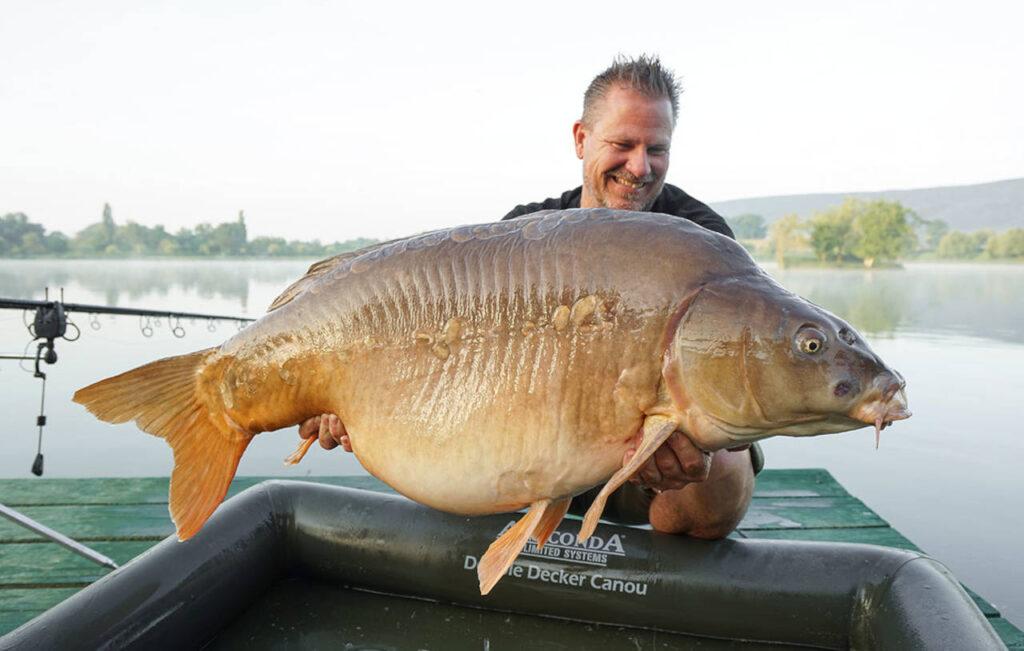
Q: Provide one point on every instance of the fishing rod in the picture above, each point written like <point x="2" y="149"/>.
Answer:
<point x="51" y="323"/>
<point x="18" y="304"/>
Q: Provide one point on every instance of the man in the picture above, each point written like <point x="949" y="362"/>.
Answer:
<point x="623" y="138"/>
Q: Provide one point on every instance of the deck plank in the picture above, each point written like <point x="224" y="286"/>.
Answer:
<point x="94" y="522"/>
<point x="19" y="493"/>
<point x="809" y="512"/>
<point x="20" y="605"/>
<point x="798" y="482"/>
<point x="885" y="536"/>
<point x="1013" y="637"/>
<point x="24" y="565"/>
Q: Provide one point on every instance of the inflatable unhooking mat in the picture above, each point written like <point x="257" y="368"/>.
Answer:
<point x="296" y="565"/>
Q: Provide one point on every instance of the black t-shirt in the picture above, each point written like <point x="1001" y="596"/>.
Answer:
<point x="671" y="201"/>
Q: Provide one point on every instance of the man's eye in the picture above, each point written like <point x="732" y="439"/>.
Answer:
<point x="621" y="146"/>
<point x="658" y="151"/>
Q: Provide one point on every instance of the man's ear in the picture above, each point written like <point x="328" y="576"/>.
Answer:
<point x="579" y="134"/>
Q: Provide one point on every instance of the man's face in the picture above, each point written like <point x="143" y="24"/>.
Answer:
<point x="625" y="150"/>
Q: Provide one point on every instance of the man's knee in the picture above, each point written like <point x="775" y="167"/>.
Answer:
<point x="719" y="522"/>
<point x="710" y="509"/>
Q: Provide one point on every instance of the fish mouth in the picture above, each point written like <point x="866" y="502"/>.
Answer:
<point x="886" y="406"/>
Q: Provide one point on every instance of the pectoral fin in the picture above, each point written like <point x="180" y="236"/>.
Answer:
<point x="544" y="515"/>
<point x="657" y="429"/>
<point x="303" y="448"/>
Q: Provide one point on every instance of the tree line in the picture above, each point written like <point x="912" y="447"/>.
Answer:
<point x="867" y="233"/>
<point x="22" y="238"/>
<point x="855" y="232"/>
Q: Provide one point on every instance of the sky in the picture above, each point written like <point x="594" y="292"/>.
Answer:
<point x="336" y="120"/>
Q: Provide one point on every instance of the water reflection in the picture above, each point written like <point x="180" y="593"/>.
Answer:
<point x="117" y="282"/>
<point x="984" y="301"/>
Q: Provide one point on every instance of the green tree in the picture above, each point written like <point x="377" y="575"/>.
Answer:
<point x="932" y="233"/>
<point x="349" y="245"/>
<point x="168" y="246"/>
<point x="21" y="237"/>
<point x="956" y="246"/>
<point x="32" y="244"/>
<point x="133" y="239"/>
<point x="268" y="246"/>
<point x="748" y="226"/>
<point x="229" y="238"/>
<point x="883" y="232"/>
<point x="786" y="235"/>
<point x="98" y="238"/>
<point x="187" y="241"/>
<point x="832" y="234"/>
<point x="928" y="232"/>
<point x="108" y="222"/>
<point x="57" y="243"/>
<point x="980" y="239"/>
<point x="16" y="231"/>
<point x="1008" y="244"/>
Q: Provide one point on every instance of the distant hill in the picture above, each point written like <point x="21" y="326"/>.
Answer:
<point x="998" y="205"/>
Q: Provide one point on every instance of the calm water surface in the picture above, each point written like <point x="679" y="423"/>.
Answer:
<point x="950" y="478"/>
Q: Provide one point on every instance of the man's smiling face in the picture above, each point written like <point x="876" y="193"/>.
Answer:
<point x="625" y="150"/>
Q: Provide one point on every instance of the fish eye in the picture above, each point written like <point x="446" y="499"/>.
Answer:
<point x="810" y="341"/>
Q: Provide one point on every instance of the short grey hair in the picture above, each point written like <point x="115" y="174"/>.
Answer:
<point x="644" y="74"/>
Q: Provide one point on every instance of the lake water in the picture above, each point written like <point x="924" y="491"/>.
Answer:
<point x="950" y="478"/>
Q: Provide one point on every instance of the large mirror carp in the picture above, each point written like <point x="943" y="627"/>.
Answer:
<point x="489" y="368"/>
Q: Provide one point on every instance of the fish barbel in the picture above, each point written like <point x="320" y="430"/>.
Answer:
<point x="488" y="368"/>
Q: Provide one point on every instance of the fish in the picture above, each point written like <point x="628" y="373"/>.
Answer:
<point x="495" y="367"/>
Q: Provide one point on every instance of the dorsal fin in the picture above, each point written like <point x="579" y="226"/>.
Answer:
<point x="319" y="269"/>
<point x="430" y="238"/>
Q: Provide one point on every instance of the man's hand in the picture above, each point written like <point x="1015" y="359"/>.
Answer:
<point x="328" y="429"/>
<point x="675" y="464"/>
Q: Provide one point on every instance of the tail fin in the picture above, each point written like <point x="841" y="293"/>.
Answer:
<point x="162" y="398"/>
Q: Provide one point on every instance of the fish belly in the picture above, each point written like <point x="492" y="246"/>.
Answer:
<point x="472" y="478"/>
<point x="502" y="419"/>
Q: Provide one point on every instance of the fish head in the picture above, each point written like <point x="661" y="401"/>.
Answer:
<point x="749" y="359"/>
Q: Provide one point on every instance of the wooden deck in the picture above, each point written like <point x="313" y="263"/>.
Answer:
<point x="121" y="518"/>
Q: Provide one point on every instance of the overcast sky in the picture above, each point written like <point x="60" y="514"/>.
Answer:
<point x="337" y="120"/>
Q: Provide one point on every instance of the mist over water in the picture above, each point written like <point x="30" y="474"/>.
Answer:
<point x="949" y="478"/>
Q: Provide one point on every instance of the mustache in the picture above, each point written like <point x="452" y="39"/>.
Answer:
<point x="623" y="175"/>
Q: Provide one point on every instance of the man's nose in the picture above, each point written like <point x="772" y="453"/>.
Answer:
<point x="639" y="163"/>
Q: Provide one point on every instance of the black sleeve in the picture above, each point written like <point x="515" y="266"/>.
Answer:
<point x="676" y="202"/>
<point x="713" y="221"/>
<point x="527" y="208"/>
<point x="568" y="199"/>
